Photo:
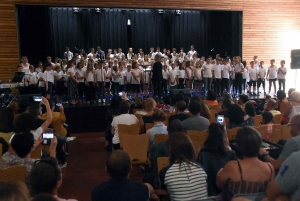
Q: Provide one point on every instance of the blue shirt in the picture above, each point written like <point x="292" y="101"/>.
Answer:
<point x="157" y="129"/>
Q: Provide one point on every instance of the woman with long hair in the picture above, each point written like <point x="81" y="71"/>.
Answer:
<point x="90" y="84"/>
<point x="80" y="74"/>
<point x="72" y="83"/>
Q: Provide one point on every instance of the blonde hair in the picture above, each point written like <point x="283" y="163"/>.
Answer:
<point x="296" y="96"/>
<point x="57" y="66"/>
<point x="150" y="104"/>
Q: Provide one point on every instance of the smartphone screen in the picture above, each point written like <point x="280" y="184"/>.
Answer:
<point x="48" y="135"/>
<point x="58" y="104"/>
<point x="120" y="94"/>
<point x="220" y="119"/>
<point x="37" y="98"/>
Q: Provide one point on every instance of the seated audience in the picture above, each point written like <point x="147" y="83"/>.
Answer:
<point x="14" y="191"/>
<point x="46" y="177"/>
<point x="291" y="145"/>
<point x="226" y="105"/>
<point x="181" y="115"/>
<point x="138" y="104"/>
<point x="195" y="122"/>
<point x="290" y="93"/>
<point x="267" y="120"/>
<point x="238" y="118"/>
<point x="119" y="187"/>
<point x="250" y="109"/>
<point x="205" y="112"/>
<point x="167" y="108"/>
<point x="7" y="120"/>
<point x="286" y="183"/>
<point x="184" y="179"/>
<point x="211" y="99"/>
<point x="150" y="105"/>
<point x="159" y="127"/>
<point x="5" y="145"/>
<point x="281" y="98"/>
<point x="44" y="197"/>
<point x="243" y="99"/>
<point x="143" y="111"/>
<point x="23" y="145"/>
<point x="294" y="109"/>
<point x="214" y="155"/>
<point x="227" y="96"/>
<point x="271" y="107"/>
<point x="236" y="176"/>
<point x="157" y="101"/>
<point x="123" y="118"/>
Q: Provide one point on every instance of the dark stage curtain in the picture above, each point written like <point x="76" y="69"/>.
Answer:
<point x="237" y="33"/>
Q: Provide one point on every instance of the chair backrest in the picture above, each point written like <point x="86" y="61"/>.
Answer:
<point x="6" y="136"/>
<point x="123" y="129"/>
<point x="226" y="119"/>
<point x="276" y="133"/>
<point x="214" y="107"/>
<point x="257" y="120"/>
<point x="37" y="153"/>
<point x="13" y="173"/>
<point x="135" y="110"/>
<point x="284" y="106"/>
<point x="149" y="126"/>
<point x="162" y="162"/>
<point x="213" y="113"/>
<point x="1" y="152"/>
<point x="138" y="116"/>
<point x="166" y="122"/>
<point x="198" y="138"/>
<point x="263" y="130"/>
<point x="277" y="118"/>
<point x="231" y="133"/>
<point x="136" y="147"/>
<point x="286" y="132"/>
<point x="252" y="197"/>
<point x="160" y="138"/>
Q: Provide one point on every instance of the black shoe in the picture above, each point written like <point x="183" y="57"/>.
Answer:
<point x="254" y="94"/>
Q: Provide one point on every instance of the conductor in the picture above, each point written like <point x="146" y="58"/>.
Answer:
<point x="157" y="75"/>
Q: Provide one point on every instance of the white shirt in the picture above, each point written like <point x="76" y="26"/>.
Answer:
<point x="173" y="74"/>
<point x="32" y="77"/>
<point x="146" y="76"/>
<point x="252" y="73"/>
<point x="207" y="68"/>
<point x="99" y="75"/>
<point x="90" y="77"/>
<point x="90" y="56"/>
<point x="272" y="72"/>
<point x="280" y="75"/>
<point x="115" y="77"/>
<point x="165" y="74"/>
<point x="129" y="55"/>
<point x="238" y="67"/>
<point x="262" y="72"/>
<point x="192" y="53"/>
<point x="41" y="82"/>
<point x="181" y="74"/>
<point x="25" y="68"/>
<point x="198" y="73"/>
<point x="136" y="72"/>
<point x="122" y="78"/>
<point x="128" y="76"/>
<point x="120" y="55"/>
<point x="226" y="71"/>
<point x="107" y="74"/>
<point x="246" y="74"/>
<point x="49" y="76"/>
<point x="37" y="70"/>
<point x="80" y="73"/>
<point x="127" y="119"/>
<point x="58" y="75"/>
<point x="217" y="71"/>
<point x="69" y="55"/>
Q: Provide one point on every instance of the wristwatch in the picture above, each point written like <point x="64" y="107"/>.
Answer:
<point x="265" y="154"/>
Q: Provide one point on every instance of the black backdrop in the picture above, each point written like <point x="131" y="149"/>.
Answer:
<point x="47" y="31"/>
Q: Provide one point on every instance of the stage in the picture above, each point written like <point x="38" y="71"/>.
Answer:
<point x="91" y="117"/>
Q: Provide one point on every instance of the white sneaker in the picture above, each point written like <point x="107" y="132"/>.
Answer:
<point x="103" y="100"/>
<point x="70" y="139"/>
<point x="99" y="100"/>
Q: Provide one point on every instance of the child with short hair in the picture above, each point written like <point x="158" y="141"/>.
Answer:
<point x="80" y="74"/>
<point x="115" y="80"/>
<point x="261" y="77"/>
<point x="32" y="80"/>
<point x="165" y="80"/>
<point x="100" y="80"/>
<point x="281" y="75"/>
<point x="272" y="76"/>
<point x="49" y="80"/>
<point x="59" y="82"/>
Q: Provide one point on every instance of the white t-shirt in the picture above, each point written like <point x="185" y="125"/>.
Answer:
<point x="238" y="67"/>
<point x="107" y="74"/>
<point x="115" y="77"/>
<point x="71" y="70"/>
<point x="181" y="74"/>
<point x="37" y="133"/>
<point x="226" y="71"/>
<point x="280" y="75"/>
<point x="165" y="74"/>
<point x="41" y="82"/>
<point x="58" y="75"/>
<point x="69" y="55"/>
<point x="80" y="73"/>
<point x="49" y="76"/>
<point x="262" y="72"/>
<point x="246" y="74"/>
<point x="99" y="75"/>
<point x="217" y="71"/>
<point x="25" y="68"/>
<point x="122" y="78"/>
<point x="128" y="76"/>
<point x="127" y="119"/>
<point x="207" y="68"/>
<point x="173" y="75"/>
<point x="90" y="55"/>
<point x="272" y="72"/>
<point x="146" y="76"/>
<point x="192" y="53"/>
<point x="90" y="77"/>
<point x="198" y="73"/>
<point x="252" y="73"/>
<point x="136" y="72"/>
<point x="32" y="77"/>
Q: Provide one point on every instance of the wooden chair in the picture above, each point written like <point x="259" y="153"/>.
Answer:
<point x="1" y="152"/>
<point x="277" y="119"/>
<point x="213" y="113"/>
<point x="136" y="147"/>
<point x="160" y="138"/>
<point x="198" y="138"/>
<point x="231" y="133"/>
<point x="263" y="131"/>
<point x="6" y="136"/>
<point x="37" y="153"/>
<point x="13" y="173"/>
<point x="135" y="110"/>
<point x="226" y="119"/>
<point x="286" y="132"/>
<point x="166" y="122"/>
<point x="276" y="133"/>
<point x="138" y="116"/>
<point x="123" y="129"/>
<point x="149" y="126"/>
<point x="257" y="120"/>
<point x="216" y="107"/>
<point x="284" y="106"/>
<point x="162" y="162"/>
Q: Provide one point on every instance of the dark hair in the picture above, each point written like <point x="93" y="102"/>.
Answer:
<point x="236" y="114"/>
<point x="281" y="95"/>
<point x="159" y="115"/>
<point x="181" y="148"/>
<point x="195" y="107"/>
<point x="248" y="141"/>
<point x="215" y="140"/>
<point x="250" y="109"/>
<point x="118" y="164"/>
<point x="47" y="64"/>
<point x="24" y="122"/>
<point x="6" y="119"/>
<point x="187" y="100"/>
<point x="181" y="105"/>
<point x="267" y="117"/>
<point x="44" y="197"/>
<point x="227" y="103"/>
<point x="211" y="95"/>
<point x="115" y="102"/>
<point x="22" y="143"/>
<point x="167" y="100"/>
<point x="175" y="126"/>
<point x="5" y="145"/>
<point x="155" y="97"/>
<point x="34" y="110"/>
<point x="14" y="191"/>
<point x="124" y="107"/>
<point x="197" y="98"/>
<point x="44" y="176"/>
<point x="244" y="98"/>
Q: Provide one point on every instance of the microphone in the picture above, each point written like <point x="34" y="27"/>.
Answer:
<point x="76" y="48"/>
<point x="212" y="49"/>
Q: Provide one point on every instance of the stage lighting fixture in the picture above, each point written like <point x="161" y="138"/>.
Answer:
<point x="160" y="11"/>
<point x="128" y="22"/>
<point x="97" y="10"/>
<point x="178" y="12"/>
<point x="76" y="10"/>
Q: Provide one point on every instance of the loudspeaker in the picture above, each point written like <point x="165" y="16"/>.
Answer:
<point x="295" y="62"/>
<point x="184" y="92"/>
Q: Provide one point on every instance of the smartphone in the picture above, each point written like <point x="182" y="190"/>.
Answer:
<point x="47" y="137"/>
<point x="37" y="98"/>
<point x="220" y="119"/>
<point x="58" y="104"/>
<point x="120" y="94"/>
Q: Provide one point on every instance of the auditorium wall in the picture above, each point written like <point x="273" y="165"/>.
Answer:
<point x="271" y="28"/>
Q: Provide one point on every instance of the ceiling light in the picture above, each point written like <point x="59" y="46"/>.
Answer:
<point x="178" y="12"/>
<point x="76" y="10"/>
<point x="160" y="11"/>
<point x="97" y="10"/>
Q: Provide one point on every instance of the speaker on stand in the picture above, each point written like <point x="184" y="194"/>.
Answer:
<point x="295" y="62"/>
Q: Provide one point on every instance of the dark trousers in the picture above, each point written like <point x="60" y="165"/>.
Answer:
<point x="207" y="83"/>
<point x="165" y="86"/>
<point x="261" y="82"/>
<point x="121" y="87"/>
<point x="281" y="82"/>
<point x="157" y="88"/>
<point x="239" y="82"/>
<point x="90" y="92"/>
<point x="101" y="90"/>
<point x="217" y="85"/>
<point x="81" y="87"/>
<point x="224" y="85"/>
<point x="115" y="88"/>
<point x="180" y="84"/>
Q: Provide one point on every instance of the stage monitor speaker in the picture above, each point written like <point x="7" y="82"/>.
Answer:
<point x="295" y="61"/>
<point x="27" y="100"/>
<point x="184" y="92"/>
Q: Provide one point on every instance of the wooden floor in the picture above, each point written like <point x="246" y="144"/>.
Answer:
<point x="86" y="167"/>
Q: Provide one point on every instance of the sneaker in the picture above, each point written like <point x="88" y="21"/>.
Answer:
<point x="64" y="165"/>
<point x="70" y="139"/>
<point x="103" y="100"/>
<point x="99" y="100"/>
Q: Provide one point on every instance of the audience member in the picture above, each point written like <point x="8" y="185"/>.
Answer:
<point x="190" y="182"/>
<point x="181" y="115"/>
<point x="292" y="145"/>
<point x="250" y="109"/>
<point x="159" y="127"/>
<point x="150" y="105"/>
<point x="211" y="99"/>
<point x="44" y="197"/>
<point x="290" y="93"/>
<point x="243" y="99"/>
<point x="46" y="177"/>
<point x="123" y="118"/>
<point x="214" y="155"/>
<point x="7" y="120"/>
<point x="295" y="104"/>
<point x="271" y="105"/>
<point x="138" y="104"/>
<point x="238" y="118"/>
<point x="236" y="176"/>
<point x="119" y="187"/>
<point x="4" y="144"/>
<point x="156" y="99"/>
<point x="226" y="105"/>
<point x="167" y="108"/>
<point x="14" y="191"/>
<point x="143" y="111"/>
<point x="205" y="112"/>
<point x="195" y="122"/>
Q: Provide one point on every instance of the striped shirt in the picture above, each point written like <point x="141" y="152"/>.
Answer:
<point x="184" y="181"/>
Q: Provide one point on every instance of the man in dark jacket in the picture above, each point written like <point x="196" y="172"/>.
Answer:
<point x="157" y="75"/>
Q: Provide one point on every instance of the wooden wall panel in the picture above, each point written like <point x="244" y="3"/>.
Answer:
<point x="271" y="28"/>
